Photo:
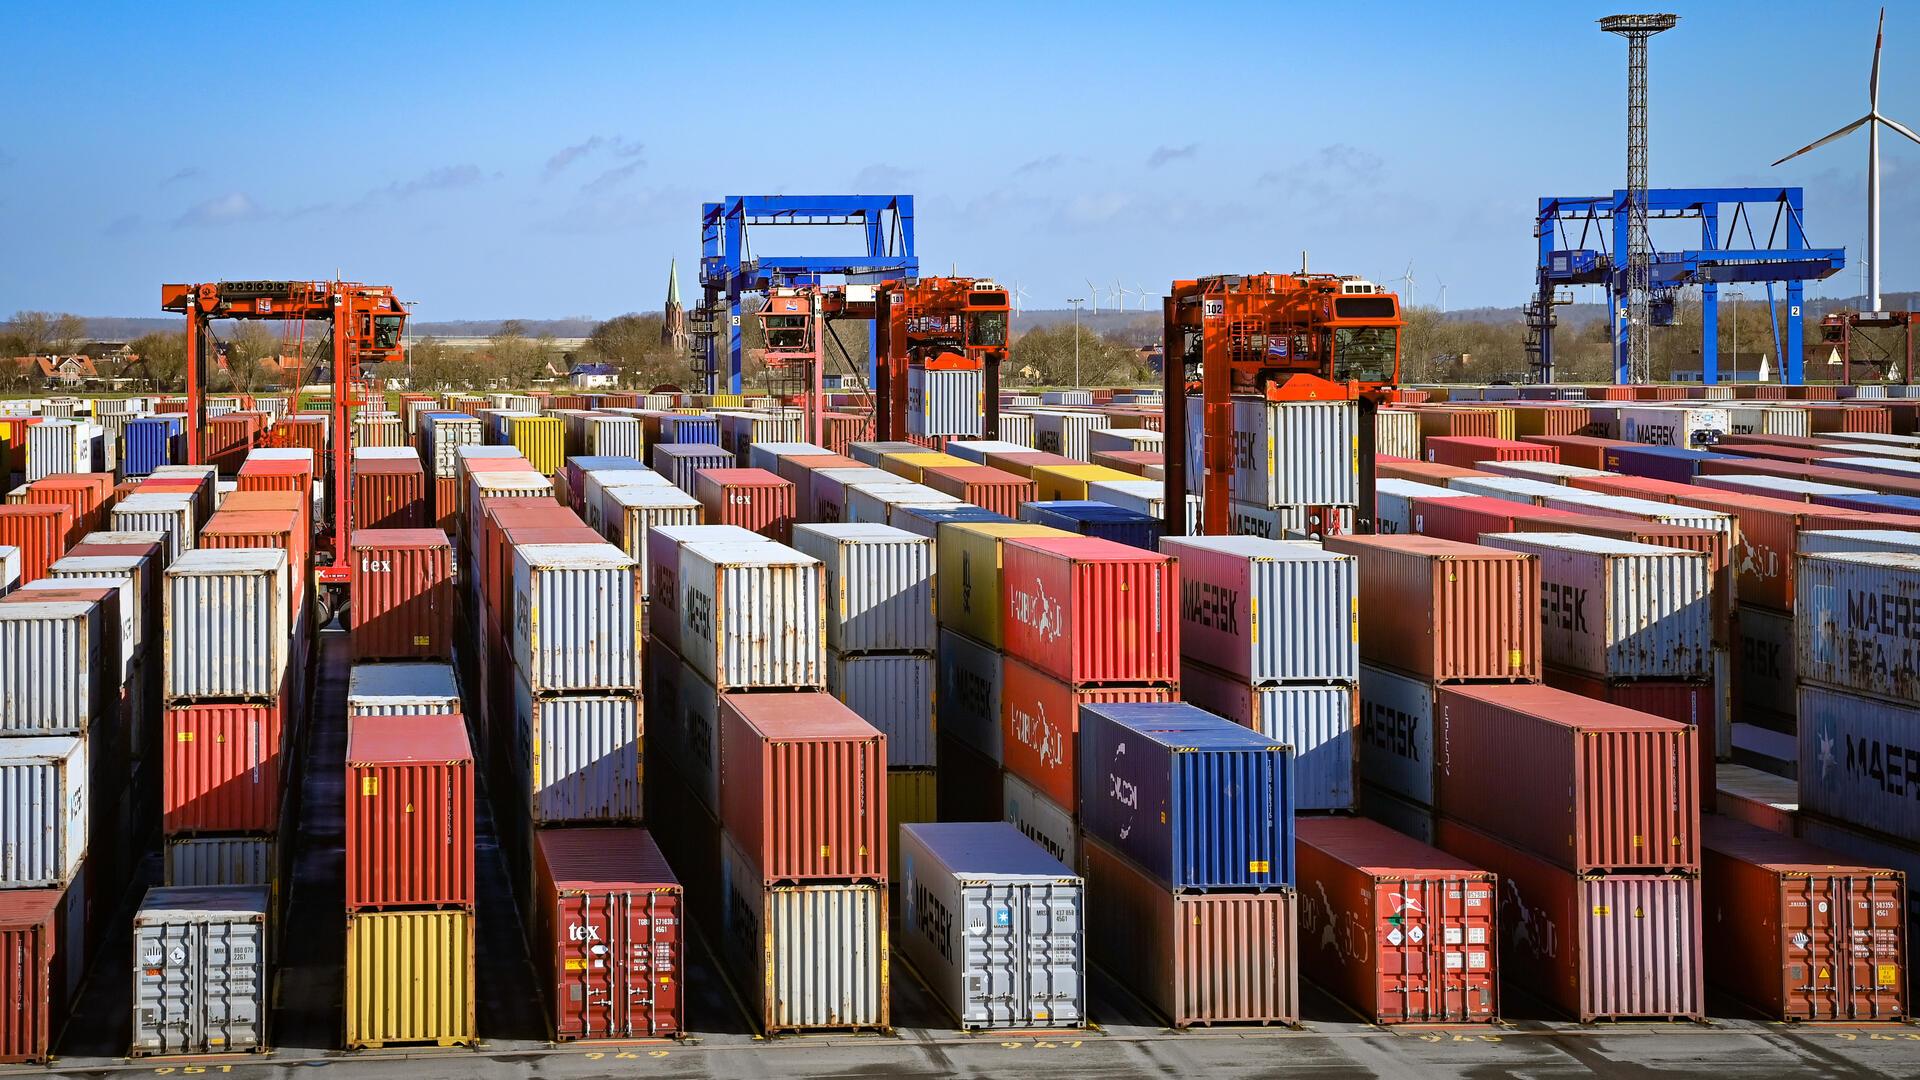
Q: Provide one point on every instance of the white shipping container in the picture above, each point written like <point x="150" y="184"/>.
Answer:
<point x="200" y="975"/>
<point x="595" y="483"/>
<point x="826" y="491"/>
<point x="1687" y="427"/>
<point x="871" y="502"/>
<point x="170" y="514"/>
<point x="804" y="956"/>
<point x="1577" y="501"/>
<point x="43" y="834"/>
<point x="1396" y="433"/>
<point x="769" y="455"/>
<point x="576" y="617"/>
<point x="879" y="586"/>
<point x="1860" y="761"/>
<point x="384" y="453"/>
<point x="1147" y="497"/>
<point x="664" y="544"/>
<point x="976" y="450"/>
<point x="967" y="701"/>
<point x="9" y="568"/>
<point x="1396" y="733"/>
<point x="1857" y="627"/>
<point x="894" y="694"/>
<point x="1287" y="522"/>
<point x="752" y="616"/>
<point x="683" y="723"/>
<point x="627" y="514"/>
<point x="944" y="402"/>
<point x="1778" y="487"/>
<point x="577" y="756"/>
<point x="1123" y="439"/>
<point x="402" y="689"/>
<point x="211" y="861"/>
<point x="123" y="639"/>
<point x="64" y="446"/>
<point x="1016" y="428"/>
<point x="1296" y="453"/>
<point x="1511" y="489"/>
<point x="1065" y="433"/>
<point x="613" y="436"/>
<point x="1854" y="541"/>
<point x="1040" y="819"/>
<point x="444" y="435"/>
<point x="1268" y="610"/>
<point x="56" y="673"/>
<point x="225" y="631"/>
<point x="1393" y="502"/>
<point x="1767" y="420"/>
<point x="1318" y="721"/>
<point x="994" y="924"/>
<point x="379" y="429"/>
<point x="1066" y="397"/>
<point x="1547" y="472"/>
<point x="1617" y="609"/>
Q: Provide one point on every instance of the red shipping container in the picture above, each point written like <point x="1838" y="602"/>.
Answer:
<point x="1446" y="611"/>
<point x="1090" y="611"/>
<point x="1769" y="530"/>
<point x="609" y="934"/>
<point x="246" y="502"/>
<point x="1402" y="932"/>
<point x="1466" y="518"/>
<point x="410" y="832"/>
<point x="403" y="603"/>
<point x="229" y="437"/>
<point x="840" y="430"/>
<point x="1829" y="517"/>
<point x="798" y="470"/>
<point x="304" y="432"/>
<point x="1689" y="703"/>
<point x="43" y="954"/>
<point x="221" y="769"/>
<point x="753" y="499"/>
<point x="1838" y="418"/>
<point x="1022" y="462"/>
<point x="1137" y="462"/>
<point x="40" y="532"/>
<point x="1802" y="455"/>
<point x="1425" y="472"/>
<point x="1597" y="947"/>
<point x="446" y="503"/>
<point x="1452" y="421"/>
<point x="88" y="495"/>
<point x="1040" y="726"/>
<point x="389" y="493"/>
<point x="1604" y="788"/>
<point x="982" y="485"/>
<point x="1802" y="933"/>
<point x="1468" y="451"/>
<point x="276" y="474"/>
<point x="803" y="787"/>
<point x="1586" y="451"/>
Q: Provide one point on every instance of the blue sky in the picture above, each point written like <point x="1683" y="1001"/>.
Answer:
<point x="495" y="160"/>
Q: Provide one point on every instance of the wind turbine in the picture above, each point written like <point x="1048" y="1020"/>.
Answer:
<point x="1018" y="296"/>
<point x="1144" y="297"/>
<point x="1094" y="292"/>
<point x="1443" y="296"/>
<point x="1872" y="122"/>
<point x="1117" y="295"/>
<point x="1407" y="278"/>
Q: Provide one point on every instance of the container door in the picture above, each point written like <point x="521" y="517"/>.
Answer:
<point x="167" y="997"/>
<point x="1436" y="941"/>
<point x="235" y="977"/>
<point x="650" y="975"/>
<point x="993" y="970"/>
<point x="1055" y="969"/>
<point x="588" y="977"/>
<point x="1843" y="948"/>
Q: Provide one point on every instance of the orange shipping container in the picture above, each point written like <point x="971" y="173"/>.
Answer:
<point x="410" y="813"/>
<point x="982" y="485"/>
<point x="403" y="601"/>
<point x="221" y="769"/>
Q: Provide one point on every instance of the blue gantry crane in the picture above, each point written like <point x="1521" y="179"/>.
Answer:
<point x="1596" y="256"/>
<point x="730" y="268"/>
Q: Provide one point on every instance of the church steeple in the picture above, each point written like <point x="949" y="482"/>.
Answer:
<point x="673" y="328"/>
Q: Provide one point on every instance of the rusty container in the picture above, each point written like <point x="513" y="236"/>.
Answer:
<point x="981" y="485"/>
<point x="389" y="493"/>
<point x="753" y="499"/>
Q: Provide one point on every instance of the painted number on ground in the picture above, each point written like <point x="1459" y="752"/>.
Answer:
<point x="624" y="1055"/>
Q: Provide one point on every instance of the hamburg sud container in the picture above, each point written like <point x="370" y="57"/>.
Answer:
<point x="607" y="934"/>
<point x="1315" y="719"/>
<point x="576" y="617"/>
<point x="1268" y="611"/>
<point x="1617" y="609"/>
<point x="403" y="600"/>
<point x="1091" y="612"/>
<point x="1287" y="453"/>
<point x="201" y="980"/>
<point x="1598" y="947"/>
<point x="1858" y="624"/>
<point x="226" y="625"/>
<point x="803" y="787"/>
<point x="680" y="462"/>
<point x="44" y="781"/>
<point x="1196" y="801"/>
<point x="1447" y="611"/>
<point x="879" y="586"/>
<point x="410" y="813"/>
<point x="43" y="954"/>
<point x="750" y="498"/>
<point x="804" y="956"/>
<point x="409" y="978"/>
<point x="1797" y="932"/>
<point x="751" y="615"/>
<point x="58" y="666"/>
<point x="1199" y="958"/>
<point x="995" y="924"/>
<point x="402" y="689"/>
<point x="969" y="580"/>
<point x="1606" y="788"/>
<point x="1040" y="722"/>
<point x="1399" y="931"/>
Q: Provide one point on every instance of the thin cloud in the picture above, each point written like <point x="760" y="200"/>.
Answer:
<point x="1163" y="154"/>
<point x="612" y="177"/>
<point x="188" y="173"/>
<point x="229" y="209"/>
<point x="884" y="179"/>
<point x="444" y="178"/>
<point x="567" y="155"/>
<point x="1041" y="165"/>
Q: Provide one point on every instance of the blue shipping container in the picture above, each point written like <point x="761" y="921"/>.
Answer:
<point x="1673" y="463"/>
<point x="596" y="462"/>
<point x="1104" y="520"/>
<point x="690" y="429"/>
<point x="926" y="520"/>
<point x="1872" y="504"/>
<point x="678" y="462"/>
<point x="148" y="443"/>
<point x="1196" y="801"/>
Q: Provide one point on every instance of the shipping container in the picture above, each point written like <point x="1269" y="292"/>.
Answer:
<point x="804" y="957"/>
<point x="211" y="861"/>
<point x="221" y="768"/>
<point x="1444" y="610"/>
<point x="389" y="493"/>
<point x="1838" y="541"/>
<point x="1196" y="958"/>
<point x="1287" y="453"/>
<point x="1858" y="624"/>
<point x="664" y="545"/>
<point x="608" y="934"/>
<point x="1761" y="799"/>
<point x="967" y="699"/>
<point x="753" y="499"/>
<point x="43" y="834"/>
<point x="39" y="533"/>
<point x="876" y="501"/>
<point x="577" y="755"/>
<point x="626" y="514"/>
<point x="1065" y="433"/>
<point x="1001" y="492"/>
<point x="968" y="785"/>
<point x="926" y="520"/>
<point x="409" y="813"/>
<point x="913" y="797"/>
<point x="1040" y="722"/>
<point x="681" y="461"/>
<point x="409" y="979"/>
<point x="9" y="568"/>
<point x="994" y="924"/>
<point x="1859" y="762"/>
<point x="59" y="666"/>
<point x="201" y="974"/>
<point x="576" y="617"/>
<point x="1196" y="801"/>
<point x="768" y="455"/>
<point x="828" y="490"/>
<point x="1401" y="932"/>
<point x="227" y="629"/>
<point x="1145" y="497"/>
<point x="1268" y="611"/>
<point x="403" y="598"/>
<point x="803" y="787"/>
<point x="1687" y="428"/>
<point x="1468" y="451"/>
<point x="943" y="402"/>
<point x="682" y="730"/>
<point x="1509" y="488"/>
<point x="969" y="578"/>
<point x="879" y="586"/>
<point x="1039" y="818"/>
<point x="115" y="608"/>
<point x="1091" y="612"/>
<point x="402" y="689"/>
<point x="896" y="695"/>
<point x="1797" y="933"/>
<point x="1597" y="947"/>
<point x="149" y="442"/>
<point x="1316" y="720"/>
<point x="751" y="615"/>
<point x="1099" y="520"/>
<point x="43" y="955"/>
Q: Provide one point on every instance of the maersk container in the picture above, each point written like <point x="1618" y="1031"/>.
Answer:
<point x="63" y="446"/>
<point x="577" y="755"/>
<point x="751" y="615"/>
<point x="608" y="934"/>
<point x="212" y="861"/>
<point x="680" y="461"/>
<point x="202" y="982"/>
<point x="148" y="442"/>
<point x="1316" y="720"/>
<point x="1065" y="433"/>
<point x="226" y="625"/>
<point x="1296" y="453"/>
<point x="943" y="402"/>
<point x="171" y="514"/>
<point x="43" y="785"/>
<point x="1268" y="611"/>
<point x="1394" y="498"/>
<point x="1091" y="612"/>
<point x="410" y="978"/>
<point x="804" y="957"/>
<point x="1447" y="611"/>
<point x="1104" y="521"/>
<point x="576" y="621"/>
<point x="967" y="701"/>
<point x="1685" y="428"/>
<point x="1197" y="958"/>
<point x="896" y="695"/>
<point x="1860" y="760"/>
<point x="57" y="666"/>
<point x="995" y="925"/>
<point x="1620" y="946"/>
<point x="1592" y="502"/>
<point x="664" y="544"/>
<point x="1839" y="541"/>
<point x="43" y="956"/>
<point x="1401" y="932"/>
<point x="405" y="689"/>
<point x="1039" y="818"/>
<point x="1193" y="799"/>
<point x="879" y="586"/>
<point x="1858" y="624"/>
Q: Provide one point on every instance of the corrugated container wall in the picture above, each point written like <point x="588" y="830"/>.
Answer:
<point x="43" y="834"/>
<point x="409" y="813"/>
<point x="1268" y="610"/>
<point x="803" y="787"/>
<point x="578" y="755"/>
<point x="1858" y="624"/>
<point x="409" y="978"/>
<point x="201" y="976"/>
<point x="227" y="632"/>
<point x="57" y="668"/>
<point x="1317" y="721"/>
<point x="608" y="934"/>
<point x="752" y="616"/>
<point x="1091" y="611"/>
<point x="943" y="402"/>
<point x="577" y="612"/>
<point x="879" y="586"/>
<point x="896" y="695"/>
<point x="1445" y="610"/>
<point x="43" y="955"/>
<point x="1288" y="453"/>
<point x="1854" y="755"/>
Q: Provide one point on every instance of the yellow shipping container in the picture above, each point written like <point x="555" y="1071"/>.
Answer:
<point x="409" y="978"/>
<point x="1070" y="481"/>
<point x="911" y="799"/>
<point x="969" y="574"/>
<point x="912" y="466"/>
<point x="541" y="440"/>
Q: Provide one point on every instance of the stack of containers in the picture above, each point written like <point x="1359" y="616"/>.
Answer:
<point x="1188" y="844"/>
<point x="881" y="641"/>
<point x="608" y="935"/>
<point x="389" y="489"/>
<point x="441" y="435"/>
<point x="1296" y="464"/>
<point x="1270" y="639"/>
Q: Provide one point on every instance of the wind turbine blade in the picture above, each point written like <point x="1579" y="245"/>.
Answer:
<point x="1824" y="140"/>
<point x="1873" y="82"/>
<point x="1900" y="127"/>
